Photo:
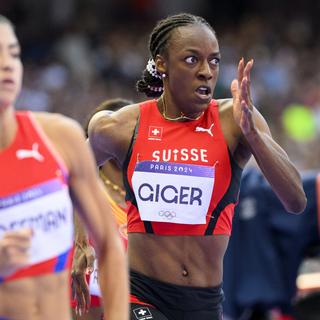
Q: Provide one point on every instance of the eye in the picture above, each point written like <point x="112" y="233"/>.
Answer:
<point x="191" y="60"/>
<point x="16" y="54"/>
<point x="215" y="61"/>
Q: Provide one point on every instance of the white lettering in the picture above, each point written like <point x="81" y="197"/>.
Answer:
<point x="166" y="154"/>
<point x="194" y="154"/>
<point x="156" y="155"/>
<point x="182" y="155"/>
<point x="203" y="155"/>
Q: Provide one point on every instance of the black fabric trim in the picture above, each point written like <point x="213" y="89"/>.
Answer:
<point x="129" y="192"/>
<point x="175" y="297"/>
<point x="231" y="196"/>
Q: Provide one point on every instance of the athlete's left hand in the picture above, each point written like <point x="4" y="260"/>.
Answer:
<point x="242" y="101"/>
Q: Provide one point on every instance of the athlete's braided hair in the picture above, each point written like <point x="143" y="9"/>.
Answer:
<point x="152" y="85"/>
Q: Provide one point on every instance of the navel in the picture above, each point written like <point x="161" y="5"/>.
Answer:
<point x="185" y="272"/>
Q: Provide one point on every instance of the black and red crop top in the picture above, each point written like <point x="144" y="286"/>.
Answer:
<point x="180" y="178"/>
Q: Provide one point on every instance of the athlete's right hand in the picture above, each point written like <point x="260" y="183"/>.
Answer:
<point x="14" y="250"/>
<point x="83" y="262"/>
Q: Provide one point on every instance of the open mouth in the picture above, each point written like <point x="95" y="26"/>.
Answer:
<point x="204" y="92"/>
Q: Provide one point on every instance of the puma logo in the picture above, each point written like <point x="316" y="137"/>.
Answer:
<point x="200" y="129"/>
<point x="33" y="153"/>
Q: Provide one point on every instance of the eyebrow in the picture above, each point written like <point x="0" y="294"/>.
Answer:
<point x="14" y="45"/>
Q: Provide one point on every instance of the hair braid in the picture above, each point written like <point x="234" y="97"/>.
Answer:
<point x="149" y="84"/>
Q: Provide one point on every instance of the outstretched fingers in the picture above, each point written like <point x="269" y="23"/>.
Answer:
<point x="241" y="70"/>
<point x="247" y="78"/>
<point x="245" y="93"/>
<point x="235" y="88"/>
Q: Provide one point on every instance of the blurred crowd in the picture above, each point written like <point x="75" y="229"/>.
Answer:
<point x="78" y="53"/>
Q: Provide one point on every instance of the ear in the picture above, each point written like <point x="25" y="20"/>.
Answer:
<point x="161" y="64"/>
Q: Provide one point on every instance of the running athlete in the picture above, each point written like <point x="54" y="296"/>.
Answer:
<point x="45" y="168"/>
<point x="86" y="291"/>
<point x="182" y="156"/>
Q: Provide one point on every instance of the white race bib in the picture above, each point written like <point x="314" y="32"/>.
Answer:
<point x="52" y="223"/>
<point x="173" y="192"/>
<point x="94" y="287"/>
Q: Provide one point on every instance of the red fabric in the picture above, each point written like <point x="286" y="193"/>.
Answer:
<point x="30" y="173"/>
<point x="40" y="268"/>
<point x="285" y="317"/>
<point x="37" y="172"/>
<point x="134" y="299"/>
<point x="95" y="302"/>
<point x="182" y="137"/>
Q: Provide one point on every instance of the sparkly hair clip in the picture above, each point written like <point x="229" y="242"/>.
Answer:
<point x="155" y="89"/>
<point x="151" y="68"/>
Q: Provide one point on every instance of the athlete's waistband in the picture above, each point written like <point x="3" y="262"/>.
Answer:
<point x="186" y="298"/>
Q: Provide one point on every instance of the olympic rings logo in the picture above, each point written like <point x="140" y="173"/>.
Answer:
<point x="167" y="214"/>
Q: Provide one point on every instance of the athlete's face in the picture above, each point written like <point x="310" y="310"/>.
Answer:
<point x="192" y="67"/>
<point x="10" y="66"/>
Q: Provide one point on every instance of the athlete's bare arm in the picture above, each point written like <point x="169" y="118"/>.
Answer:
<point x="110" y="135"/>
<point x="256" y="139"/>
<point x="88" y="198"/>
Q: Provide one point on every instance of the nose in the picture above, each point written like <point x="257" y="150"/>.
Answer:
<point x="5" y="61"/>
<point x="205" y="71"/>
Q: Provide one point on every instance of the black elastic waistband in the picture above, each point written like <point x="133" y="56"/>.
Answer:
<point x="186" y="298"/>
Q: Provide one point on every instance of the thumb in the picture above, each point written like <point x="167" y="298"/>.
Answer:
<point x="234" y="88"/>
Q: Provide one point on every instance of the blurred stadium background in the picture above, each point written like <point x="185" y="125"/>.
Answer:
<point x="79" y="52"/>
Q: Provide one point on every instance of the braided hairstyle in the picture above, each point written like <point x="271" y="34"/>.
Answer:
<point x="151" y="83"/>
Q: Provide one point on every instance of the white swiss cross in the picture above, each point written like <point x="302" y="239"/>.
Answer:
<point x="142" y="312"/>
<point x="155" y="133"/>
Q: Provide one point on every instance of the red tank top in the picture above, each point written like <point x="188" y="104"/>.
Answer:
<point x="179" y="176"/>
<point x="34" y="194"/>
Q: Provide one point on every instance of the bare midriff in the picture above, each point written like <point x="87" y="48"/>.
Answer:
<point x="36" y="298"/>
<point x="182" y="260"/>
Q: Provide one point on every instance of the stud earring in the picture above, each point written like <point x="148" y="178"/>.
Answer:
<point x="163" y="75"/>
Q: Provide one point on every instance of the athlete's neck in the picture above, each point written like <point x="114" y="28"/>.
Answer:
<point x="181" y="118"/>
<point x="8" y="127"/>
<point x="112" y="177"/>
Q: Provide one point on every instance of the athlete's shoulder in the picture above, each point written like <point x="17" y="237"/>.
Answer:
<point x="56" y="120"/>
<point x="103" y="121"/>
<point x="110" y="134"/>
<point x="59" y="128"/>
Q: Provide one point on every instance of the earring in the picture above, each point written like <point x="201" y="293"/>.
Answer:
<point x="163" y="75"/>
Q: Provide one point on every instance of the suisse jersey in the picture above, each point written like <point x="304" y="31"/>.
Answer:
<point x="180" y="178"/>
<point x="34" y="194"/>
